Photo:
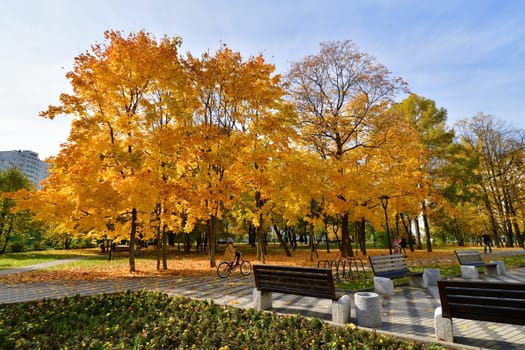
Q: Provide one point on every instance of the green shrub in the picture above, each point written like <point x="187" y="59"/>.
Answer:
<point x="17" y="247"/>
<point x="84" y="243"/>
<point x="147" y="320"/>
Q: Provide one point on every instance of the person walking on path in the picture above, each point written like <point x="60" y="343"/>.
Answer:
<point x="486" y="243"/>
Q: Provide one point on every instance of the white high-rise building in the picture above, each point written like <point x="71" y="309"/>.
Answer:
<point x="27" y="162"/>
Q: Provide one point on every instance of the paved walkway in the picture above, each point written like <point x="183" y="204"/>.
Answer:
<point x="408" y="313"/>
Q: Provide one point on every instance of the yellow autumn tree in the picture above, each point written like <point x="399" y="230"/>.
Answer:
<point x="395" y="170"/>
<point x="123" y="89"/>
<point x="299" y="187"/>
<point x="237" y="125"/>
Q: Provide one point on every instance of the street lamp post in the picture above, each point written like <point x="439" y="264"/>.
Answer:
<point x="384" y="203"/>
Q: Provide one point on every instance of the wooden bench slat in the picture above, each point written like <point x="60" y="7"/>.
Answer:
<point x="486" y="291"/>
<point x="398" y="274"/>
<point x="484" y="301"/>
<point x="488" y="313"/>
<point x="472" y="258"/>
<point x="294" y="274"/>
<point x="298" y="284"/>
<point x="120" y="248"/>
<point x="391" y="266"/>
<point x="305" y="281"/>
<point x="303" y="292"/>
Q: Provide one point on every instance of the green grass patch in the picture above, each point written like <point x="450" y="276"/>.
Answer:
<point x="151" y="320"/>
<point x="14" y="260"/>
<point x="514" y="261"/>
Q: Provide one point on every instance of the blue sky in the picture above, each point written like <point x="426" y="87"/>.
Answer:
<point x="468" y="56"/>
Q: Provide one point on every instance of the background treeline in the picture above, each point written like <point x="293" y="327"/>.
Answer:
<point x="167" y="146"/>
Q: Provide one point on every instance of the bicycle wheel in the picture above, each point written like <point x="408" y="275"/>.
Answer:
<point x="223" y="269"/>
<point x="246" y="268"/>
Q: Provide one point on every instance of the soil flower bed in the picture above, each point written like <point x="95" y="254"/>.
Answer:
<point x="152" y="320"/>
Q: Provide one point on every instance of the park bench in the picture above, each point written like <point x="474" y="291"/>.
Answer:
<point x="482" y="301"/>
<point x="121" y="248"/>
<point x="386" y="268"/>
<point x="470" y="261"/>
<point x="303" y="281"/>
<point x="392" y="267"/>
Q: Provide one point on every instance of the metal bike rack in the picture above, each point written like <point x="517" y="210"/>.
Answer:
<point x="353" y="268"/>
<point x="350" y="268"/>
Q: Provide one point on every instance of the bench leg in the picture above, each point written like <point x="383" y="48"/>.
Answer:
<point x="430" y="277"/>
<point x="342" y="309"/>
<point x="443" y="326"/>
<point x="501" y="266"/>
<point x="262" y="300"/>
<point x="469" y="272"/>
<point x="384" y="286"/>
<point x="415" y="281"/>
<point x="493" y="270"/>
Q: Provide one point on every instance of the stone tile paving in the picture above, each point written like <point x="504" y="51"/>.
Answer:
<point x="409" y="312"/>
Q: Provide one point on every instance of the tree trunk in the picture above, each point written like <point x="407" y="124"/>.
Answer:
<point x="132" y="238"/>
<point x="282" y="242"/>
<point x="361" y="226"/>
<point x="212" y="246"/>
<point x="346" y="244"/>
<point x="519" y="237"/>
<point x="164" y="248"/>
<point x="427" y="228"/>
<point x="261" y="256"/>
<point x="509" y="213"/>
<point x="292" y="238"/>
<point x="327" y="241"/>
<point x="187" y="245"/>
<point x="4" y="245"/>
<point x="396" y="217"/>
<point x="158" y="247"/>
<point x="261" y="242"/>
<point x="419" y="245"/>
<point x="408" y="230"/>
<point x="252" y="235"/>
<point x="313" y="249"/>
<point x="491" y="216"/>
<point x="3" y="231"/>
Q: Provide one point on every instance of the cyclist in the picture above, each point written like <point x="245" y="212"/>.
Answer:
<point x="231" y="254"/>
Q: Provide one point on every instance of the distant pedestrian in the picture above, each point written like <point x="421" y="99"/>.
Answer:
<point x="397" y="245"/>
<point x="404" y="246"/>
<point x="487" y="243"/>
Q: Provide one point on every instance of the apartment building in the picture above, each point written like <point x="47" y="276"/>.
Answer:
<point x="27" y="162"/>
